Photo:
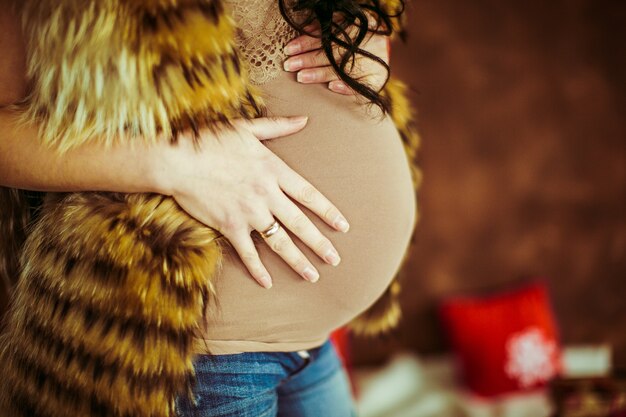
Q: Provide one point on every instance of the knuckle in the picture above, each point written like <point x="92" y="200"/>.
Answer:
<point x="260" y="189"/>
<point x="277" y="173"/>
<point x="250" y="258"/>
<point x="246" y="206"/>
<point x="300" y="263"/>
<point x="267" y="159"/>
<point x="307" y="194"/>
<point x="310" y="42"/>
<point x="231" y="224"/>
<point x="331" y="213"/>
<point x="320" y="57"/>
<point x="299" y="223"/>
<point x="280" y="244"/>
<point x="323" y="245"/>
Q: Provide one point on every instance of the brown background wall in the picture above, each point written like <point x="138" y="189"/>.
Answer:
<point x="521" y="111"/>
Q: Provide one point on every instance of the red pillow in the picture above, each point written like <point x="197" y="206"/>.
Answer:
<point x="504" y="342"/>
<point x="340" y="339"/>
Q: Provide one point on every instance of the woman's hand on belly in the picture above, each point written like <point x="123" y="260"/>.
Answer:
<point x="235" y="184"/>
<point x="313" y="66"/>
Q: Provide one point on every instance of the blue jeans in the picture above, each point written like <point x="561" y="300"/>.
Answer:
<point x="306" y="383"/>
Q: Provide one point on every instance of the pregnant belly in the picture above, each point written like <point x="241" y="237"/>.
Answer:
<point x="357" y="161"/>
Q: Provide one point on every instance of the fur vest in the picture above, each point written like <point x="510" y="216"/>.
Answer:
<point x="109" y="287"/>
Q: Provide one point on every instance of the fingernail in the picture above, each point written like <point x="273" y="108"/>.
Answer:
<point x="292" y="48"/>
<point x="332" y="257"/>
<point x="304" y="77"/>
<point x="266" y="281"/>
<point x="298" y="120"/>
<point x="341" y="223"/>
<point x="337" y="85"/>
<point x="311" y="274"/>
<point x="293" y="64"/>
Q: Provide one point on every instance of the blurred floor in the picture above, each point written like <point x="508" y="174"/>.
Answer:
<point x="522" y="115"/>
<point x="412" y="386"/>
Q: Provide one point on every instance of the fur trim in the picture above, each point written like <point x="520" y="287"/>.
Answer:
<point x="105" y="311"/>
<point x="115" y="70"/>
<point x="382" y="317"/>
<point x="404" y="119"/>
<point x="14" y="217"/>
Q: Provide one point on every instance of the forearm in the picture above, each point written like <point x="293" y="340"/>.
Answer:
<point x="27" y="164"/>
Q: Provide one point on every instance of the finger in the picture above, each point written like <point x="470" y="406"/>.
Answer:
<point x="313" y="28"/>
<point x="311" y="59"/>
<point x="302" y="191"/>
<point x="295" y="220"/>
<point x="316" y="75"/>
<point x="306" y="42"/>
<point x="340" y="87"/>
<point x="302" y="43"/>
<point x="273" y="127"/>
<point x="250" y="257"/>
<point x="281" y="243"/>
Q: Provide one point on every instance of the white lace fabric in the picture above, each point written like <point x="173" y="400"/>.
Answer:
<point x="262" y="35"/>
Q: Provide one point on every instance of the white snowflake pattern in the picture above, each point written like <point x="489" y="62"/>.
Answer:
<point x="530" y="357"/>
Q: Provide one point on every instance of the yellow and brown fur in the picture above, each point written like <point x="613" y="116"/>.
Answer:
<point x="110" y="287"/>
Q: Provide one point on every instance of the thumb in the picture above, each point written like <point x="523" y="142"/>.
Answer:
<point x="274" y="127"/>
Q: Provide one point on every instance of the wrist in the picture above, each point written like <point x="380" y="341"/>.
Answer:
<point x="162" y="166"/>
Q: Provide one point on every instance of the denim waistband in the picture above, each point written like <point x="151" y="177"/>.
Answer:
<point x="262" y="361"/>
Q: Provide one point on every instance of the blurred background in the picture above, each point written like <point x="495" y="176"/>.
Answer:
<point x="521" y="109"/>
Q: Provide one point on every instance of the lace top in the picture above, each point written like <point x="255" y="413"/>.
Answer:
<point x="261" y="37"/>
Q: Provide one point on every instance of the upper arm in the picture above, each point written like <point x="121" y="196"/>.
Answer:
<point x="12" y="58"/>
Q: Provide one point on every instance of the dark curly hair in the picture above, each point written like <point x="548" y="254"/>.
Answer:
<point x="334" y="18"/>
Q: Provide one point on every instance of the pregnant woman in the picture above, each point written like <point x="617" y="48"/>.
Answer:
<point x="117" y="295"/>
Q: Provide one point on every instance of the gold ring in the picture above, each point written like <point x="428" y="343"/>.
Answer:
<point x="270" y="230"/>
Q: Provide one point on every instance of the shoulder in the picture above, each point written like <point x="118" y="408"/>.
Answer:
<point x="12" y="64"/>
